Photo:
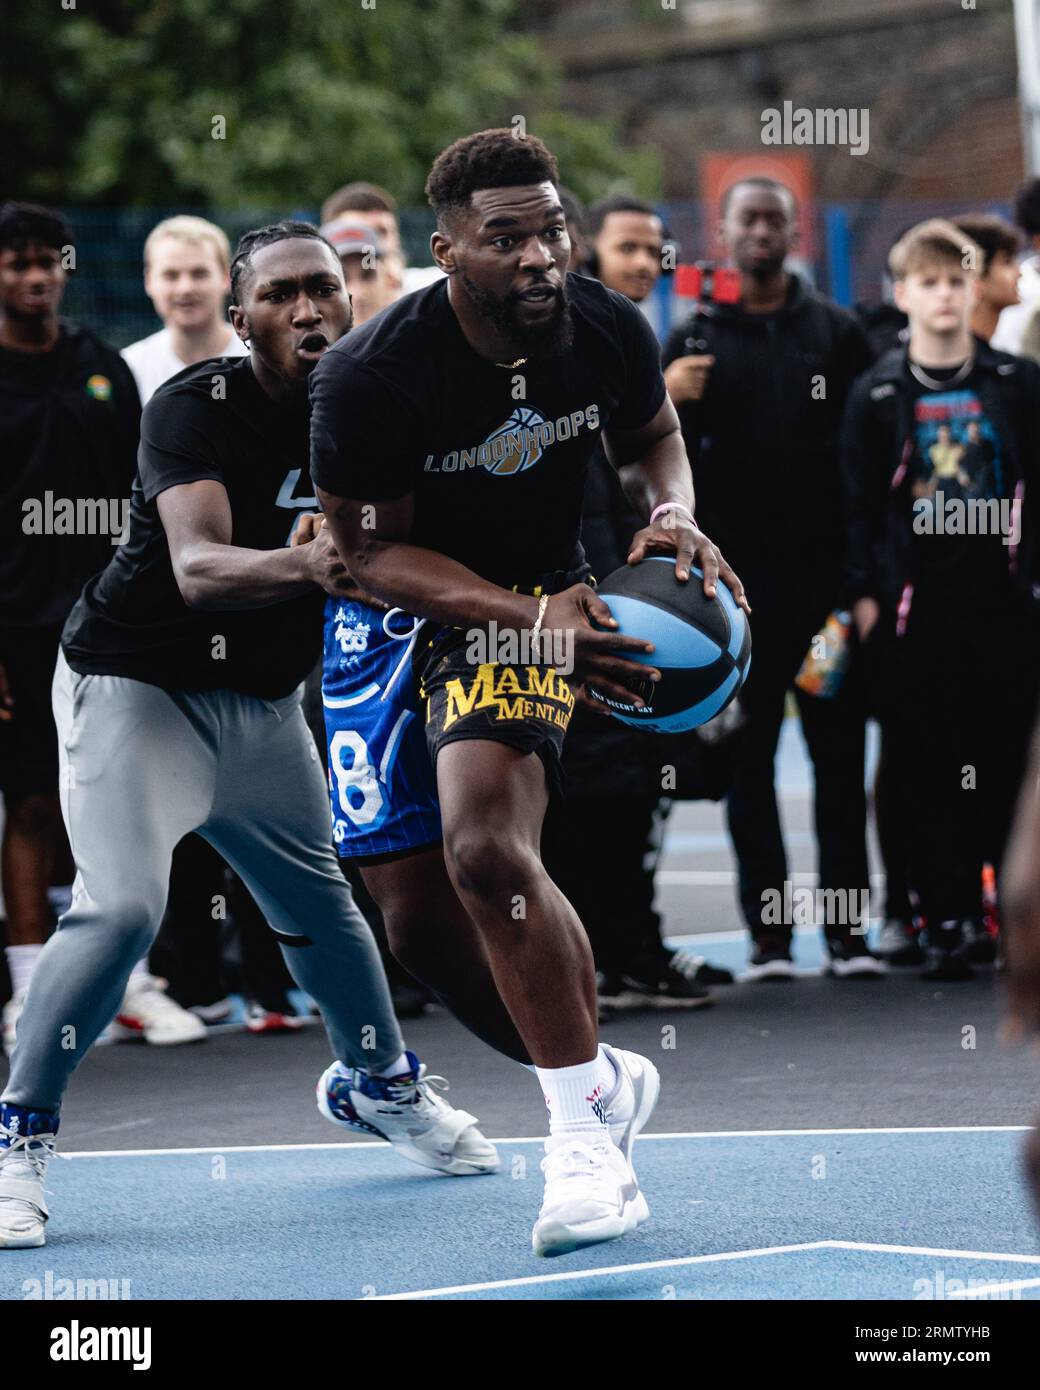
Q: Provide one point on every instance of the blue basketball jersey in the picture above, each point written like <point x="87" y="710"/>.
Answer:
<point x="381" y="781"/>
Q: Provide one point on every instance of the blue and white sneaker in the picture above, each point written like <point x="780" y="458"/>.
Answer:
<point x="406" y="1111"/>
<point x="27" y="1140"/>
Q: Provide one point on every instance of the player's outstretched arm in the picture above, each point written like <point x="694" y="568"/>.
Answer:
<point x="211" y="572"/>
<point x="654" y="470"/>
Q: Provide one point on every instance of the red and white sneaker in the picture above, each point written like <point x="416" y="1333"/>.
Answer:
<point x="148" y="1012"/>
<point x="261" y="1020"/>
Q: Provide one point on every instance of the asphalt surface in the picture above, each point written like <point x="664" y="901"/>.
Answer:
<point x="818" y="1053"/>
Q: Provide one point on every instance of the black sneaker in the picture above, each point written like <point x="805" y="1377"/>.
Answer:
<point x="650" y="985"/>
<point x="851" y="958"/>
<point x="982" y="946"/>
<point x="696" y="968"/>
<point x="948" y="952"/>
<point x="771" y="961"/>
<point x="899" y="943"/>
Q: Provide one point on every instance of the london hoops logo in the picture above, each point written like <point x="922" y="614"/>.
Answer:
<point x="516" y="445"/>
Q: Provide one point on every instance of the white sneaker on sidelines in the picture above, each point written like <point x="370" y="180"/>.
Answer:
<point x="12" y="1013"/>
<point x="23" y="1166"/>
<point x="407" y="1112"/>
<point x="148" y="1011"/>
<point x="591" y="1194"/>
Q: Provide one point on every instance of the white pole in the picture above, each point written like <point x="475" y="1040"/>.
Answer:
<point x="1027" y="38"/>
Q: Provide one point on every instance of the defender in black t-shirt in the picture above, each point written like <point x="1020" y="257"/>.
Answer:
<point x="178" y="710"/>
<point x="450" y="437"/>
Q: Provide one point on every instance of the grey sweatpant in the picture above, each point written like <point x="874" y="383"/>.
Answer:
<point x="140" y="768"/>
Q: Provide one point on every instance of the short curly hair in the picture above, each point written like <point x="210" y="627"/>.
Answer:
<point x="490" y="159"/>
<point x="23" y="223"/>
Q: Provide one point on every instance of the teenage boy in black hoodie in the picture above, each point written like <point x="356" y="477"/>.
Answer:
<point x="760" y="386"/>
<point x="940" y="458"/>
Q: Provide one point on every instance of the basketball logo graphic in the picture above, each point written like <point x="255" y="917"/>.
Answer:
<point x="522" y="447"/>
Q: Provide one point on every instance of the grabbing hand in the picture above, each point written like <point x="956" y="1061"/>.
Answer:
<point x="598" y="656"/>
<point x="672" y="531"/>
<point x="326" y="568"/>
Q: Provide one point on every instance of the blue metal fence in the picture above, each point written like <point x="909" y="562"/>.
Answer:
<point x="850" y="242"/>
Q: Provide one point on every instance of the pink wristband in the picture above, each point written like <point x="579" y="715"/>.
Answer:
<point x="673" y="507"/>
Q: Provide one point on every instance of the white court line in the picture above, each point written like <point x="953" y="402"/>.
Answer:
<point x="688" y="1260"/>
<point x="722" y="878"/>
<point x="928" y="1250"/>
<point x="571" y="1275"/>
<point x="1005" y="1287"/>
<point x="540" y="1139"/>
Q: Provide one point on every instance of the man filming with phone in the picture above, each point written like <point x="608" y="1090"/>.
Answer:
<point x="760" y="385"/>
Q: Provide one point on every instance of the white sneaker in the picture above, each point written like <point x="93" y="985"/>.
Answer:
<point x="408" y="1113"/>
<point x="148" y="1011"/>
<point x="12" y="1013"/>
<point x="591" y="1194"/>
<point x="23" y="1164"/>
<point x="632" y="1102"/>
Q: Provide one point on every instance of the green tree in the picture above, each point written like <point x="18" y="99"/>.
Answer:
<point x="274" y="102"/>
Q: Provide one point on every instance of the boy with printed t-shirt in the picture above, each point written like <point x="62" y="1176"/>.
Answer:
<point x="939" y="450"/>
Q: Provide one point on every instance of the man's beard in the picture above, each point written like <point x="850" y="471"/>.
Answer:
<point x="550" y="339"/>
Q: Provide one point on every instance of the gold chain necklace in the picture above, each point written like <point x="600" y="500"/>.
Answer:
<point x="510" y="365"/>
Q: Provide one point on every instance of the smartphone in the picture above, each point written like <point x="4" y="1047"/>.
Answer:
<point x="708" y="282"/>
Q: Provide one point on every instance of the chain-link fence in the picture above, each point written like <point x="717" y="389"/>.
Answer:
<point x="848" y="248"/>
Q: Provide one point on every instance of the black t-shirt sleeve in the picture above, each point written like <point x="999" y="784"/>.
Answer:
<point x="180" y="442"/>
<point x="366" y="441"/>
<point x="644" y="383"/>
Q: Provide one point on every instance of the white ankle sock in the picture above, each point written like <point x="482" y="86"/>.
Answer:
<point x="139" y="972"/>
<point x="575" y="1095"/>
<point x="21" y="962"/>
<point x="395" y="1068"/>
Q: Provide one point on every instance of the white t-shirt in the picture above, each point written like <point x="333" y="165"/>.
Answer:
<point x="153" y="360"/>
<point x="417" y="277"/>
<point x="1014" y="320"/>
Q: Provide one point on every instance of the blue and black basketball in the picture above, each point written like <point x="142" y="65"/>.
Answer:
<point x="702" y="646"/>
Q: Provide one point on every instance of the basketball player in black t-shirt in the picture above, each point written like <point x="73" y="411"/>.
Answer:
<point x="449" y="442"/>
<point x="177" y="701"/>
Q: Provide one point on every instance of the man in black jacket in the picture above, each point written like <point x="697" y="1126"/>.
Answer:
<point x="760" y="387"/>
<point x="940" y="453"/>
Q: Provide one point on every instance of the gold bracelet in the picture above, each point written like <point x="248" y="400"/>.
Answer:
<point x="543" y="604"/>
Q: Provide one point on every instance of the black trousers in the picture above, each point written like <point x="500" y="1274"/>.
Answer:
<point x="600" y="852"/>
<point x="788" y="609"/>
<point x="957" y="696"/>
